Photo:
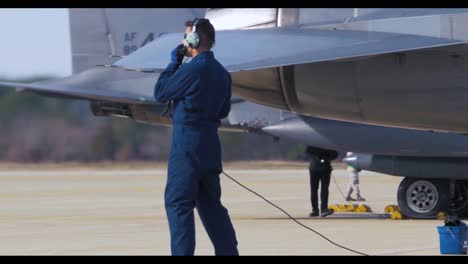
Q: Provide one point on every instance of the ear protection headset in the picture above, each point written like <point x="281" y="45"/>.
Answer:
<point x="193" y="39"/>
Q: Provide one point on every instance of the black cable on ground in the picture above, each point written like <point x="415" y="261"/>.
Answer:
<point x="292" y="218"/>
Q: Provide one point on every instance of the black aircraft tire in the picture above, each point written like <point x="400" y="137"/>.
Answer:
<point x="422" y="198"/>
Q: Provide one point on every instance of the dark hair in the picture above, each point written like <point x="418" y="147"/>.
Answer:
<point x="205" y="30"/>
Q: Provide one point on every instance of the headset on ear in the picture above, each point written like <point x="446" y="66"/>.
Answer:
<point x="193" y="39"/>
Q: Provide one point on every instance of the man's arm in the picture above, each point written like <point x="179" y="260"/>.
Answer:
<point x="173" y="84"/>
<point x="227" y="104"/>
<point x="226" y="109"/>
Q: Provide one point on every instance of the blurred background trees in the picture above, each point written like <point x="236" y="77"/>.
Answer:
<point x="40" y="129"/>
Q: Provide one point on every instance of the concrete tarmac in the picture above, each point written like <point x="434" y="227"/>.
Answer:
<point x="121" y="212"/>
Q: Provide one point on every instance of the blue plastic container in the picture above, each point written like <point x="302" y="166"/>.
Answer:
<point x="452" y="239"/>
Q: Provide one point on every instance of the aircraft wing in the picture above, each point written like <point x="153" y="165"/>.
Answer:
<point x="108" y="84"/>
<point x="98" y="37"/>
<point x="252" y="49"/>
<point x="131" y="79"/>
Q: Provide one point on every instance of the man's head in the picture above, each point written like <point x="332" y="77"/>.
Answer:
<point x="198" y="40"/>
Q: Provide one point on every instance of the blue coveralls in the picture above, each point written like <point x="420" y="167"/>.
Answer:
<point x="201" y="92"/>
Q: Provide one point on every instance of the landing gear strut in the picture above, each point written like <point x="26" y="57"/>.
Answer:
<point x="452" y="218"/>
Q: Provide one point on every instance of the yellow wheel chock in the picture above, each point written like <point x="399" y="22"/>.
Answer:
<point x="357" y="208"/>
<point x="441" y="215"/>
<point x="396" y="215"/>
<point x="392" y="208"/>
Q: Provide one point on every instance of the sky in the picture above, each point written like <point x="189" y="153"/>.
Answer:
<point x="34" y="42"/>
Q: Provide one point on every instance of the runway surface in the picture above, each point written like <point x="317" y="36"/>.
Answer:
<point x="121" y="212"/>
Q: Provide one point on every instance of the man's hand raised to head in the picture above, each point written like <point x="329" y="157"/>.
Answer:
<point x="177" y="54"/>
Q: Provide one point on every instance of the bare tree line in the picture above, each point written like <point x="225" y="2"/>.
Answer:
<point x="40" y="129"/>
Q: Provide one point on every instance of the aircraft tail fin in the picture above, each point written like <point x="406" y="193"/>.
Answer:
<point x="100" y="36"/>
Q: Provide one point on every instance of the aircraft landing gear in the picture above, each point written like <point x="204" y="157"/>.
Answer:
<point x="457" y="204"/>
<point x="425" y="198"/>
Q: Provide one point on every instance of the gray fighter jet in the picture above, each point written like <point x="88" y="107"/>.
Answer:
<point x="360" y="67"/>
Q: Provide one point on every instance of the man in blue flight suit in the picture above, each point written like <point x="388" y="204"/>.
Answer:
<point x="200" y="92"/>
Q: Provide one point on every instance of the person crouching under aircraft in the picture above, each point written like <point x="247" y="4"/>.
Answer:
<point x="201" y="93"/>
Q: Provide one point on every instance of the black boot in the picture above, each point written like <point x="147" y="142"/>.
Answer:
<point x="327" y="212"/>
<point x="314" y="214"/>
